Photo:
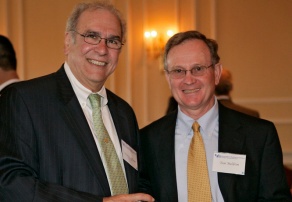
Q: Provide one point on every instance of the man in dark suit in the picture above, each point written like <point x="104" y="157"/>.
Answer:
<point x="8" y="63"/>
<point x="49" y="139"/>
<point x="223" y="90"/>
<point x="242" y="157"/>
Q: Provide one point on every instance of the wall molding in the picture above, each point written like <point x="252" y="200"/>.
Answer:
<point x="281" y="121"/>
<point x="271" y="101"/>
<point x="268" y="100"/>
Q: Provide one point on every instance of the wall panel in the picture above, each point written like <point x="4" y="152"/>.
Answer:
<point x="255" y="44"/>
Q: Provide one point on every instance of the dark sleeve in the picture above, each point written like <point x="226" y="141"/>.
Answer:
<point x="273" y="183"/>
<point x="144" y="181"/>
<point x="19" y="161"/>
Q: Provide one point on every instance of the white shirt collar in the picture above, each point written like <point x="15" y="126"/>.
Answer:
<point x="207" y="122"/>
<point x="8" y="82"/>
<point x="81" y="91"/>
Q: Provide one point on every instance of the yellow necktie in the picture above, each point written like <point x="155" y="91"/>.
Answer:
<point x="198" y="178"/>
<point x="112" y="164"/>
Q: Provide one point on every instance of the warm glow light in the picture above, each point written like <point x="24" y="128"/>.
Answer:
<point x="153" y="33"/>
<point x="155" y="42"/>
<point x="169" y="33"/>
<point x="147" y="34"/>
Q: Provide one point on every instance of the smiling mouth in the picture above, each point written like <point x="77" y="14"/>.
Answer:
<point x="95" y="62"/>
<point x="191" y="90"/>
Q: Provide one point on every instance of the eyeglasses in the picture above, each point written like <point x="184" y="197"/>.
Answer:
<point x="181" y="73"/>
<point x="94" y="39"/>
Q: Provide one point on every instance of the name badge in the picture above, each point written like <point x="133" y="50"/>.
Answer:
<point x="129" y="155"/>
<point x="229" y="163"/>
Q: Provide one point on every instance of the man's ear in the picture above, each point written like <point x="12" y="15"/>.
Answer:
<point x="67" y="43"/>
<point x="167" y="78"/>
<point x="218" y="71"/>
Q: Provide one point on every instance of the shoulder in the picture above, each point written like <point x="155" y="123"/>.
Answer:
<point x="37" y="83"/>
<point x="43" y="83"/>
<point x="114" y="99"/>
<point x="117" y="104"/>
<point x="232" y="118"/>
<point x="164" y="123"/>
<point x="48" y="88"/>
<point x="245" y="110"/>
<point x="30" y="87"/>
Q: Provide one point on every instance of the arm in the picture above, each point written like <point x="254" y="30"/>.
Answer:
<point x="19" y="159"/>
<point x="273" y="183"/>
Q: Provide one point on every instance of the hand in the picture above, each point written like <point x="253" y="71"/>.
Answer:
<point x="139" y="197"/>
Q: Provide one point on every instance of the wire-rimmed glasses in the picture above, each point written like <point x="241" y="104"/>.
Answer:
<point x="93" y="38"/>
<point x="181" y="73"/>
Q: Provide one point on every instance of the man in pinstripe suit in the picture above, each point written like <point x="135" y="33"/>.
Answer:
<point x="48" y="151"/>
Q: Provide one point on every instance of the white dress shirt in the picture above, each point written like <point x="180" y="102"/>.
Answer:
<point x="183" y="136"/>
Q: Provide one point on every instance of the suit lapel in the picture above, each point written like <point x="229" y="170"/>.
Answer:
<point x="74" y="116"/>
<point x="231" y="140"/>
<point x="119" y="118"/>
<point x="124" y="133"/>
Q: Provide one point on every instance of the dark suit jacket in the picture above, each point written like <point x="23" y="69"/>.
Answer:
<point x="47" y="151"/>
<point x="264" y="177"/>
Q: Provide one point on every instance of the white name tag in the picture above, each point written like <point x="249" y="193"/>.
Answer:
<point x="129" y="155"/>
<point x="229" y="163"/>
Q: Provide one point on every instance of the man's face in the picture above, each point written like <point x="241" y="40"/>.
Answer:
<point x="194" y="94"/>
<point x="92" y="64"/>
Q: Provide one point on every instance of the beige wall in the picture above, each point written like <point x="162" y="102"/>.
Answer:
<point x="254" y="43"/>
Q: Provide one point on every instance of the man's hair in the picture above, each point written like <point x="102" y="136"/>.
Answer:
<point x="81" y="7"/>
<point x="225" y="83"/>
<point x="189" y="35"/>
<point x="7" y="54"/>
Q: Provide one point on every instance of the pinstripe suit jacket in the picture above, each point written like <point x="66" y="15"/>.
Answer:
<point x="47" y="151"/>
<point x="264" y="178"/>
